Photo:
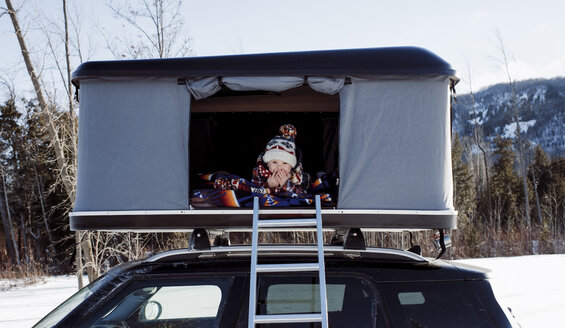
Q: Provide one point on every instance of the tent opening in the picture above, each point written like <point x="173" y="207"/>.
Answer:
<point x="229" y="130"/>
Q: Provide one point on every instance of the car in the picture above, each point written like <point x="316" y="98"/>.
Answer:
<point x="371" y="287"/>
<point x="375" y="122"/>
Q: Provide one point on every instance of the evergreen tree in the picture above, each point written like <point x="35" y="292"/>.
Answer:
<point x="48" y="203"/>
<point x="541" y="169"/>
<point x="555" y="196"/>
<point x="34" y="206"/>
<point x="464" y="191"/>
<point x="505" y="184"/>
<point x="10" y="134"/>
<point x="464" y="198"/>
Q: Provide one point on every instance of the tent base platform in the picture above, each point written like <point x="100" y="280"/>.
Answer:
<point x="234" y="219"/>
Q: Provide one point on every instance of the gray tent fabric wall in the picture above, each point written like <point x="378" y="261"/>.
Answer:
<point x="394" y="141"/>
<point x="133" y="145"/>
<point x="395" y="150"/>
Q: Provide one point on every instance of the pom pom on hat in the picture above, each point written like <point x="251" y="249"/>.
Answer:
<point x="282" y="147"/>
<point x="287" y="131"/>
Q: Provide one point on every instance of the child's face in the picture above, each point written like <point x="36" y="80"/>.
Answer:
<point x="275" y="165"/>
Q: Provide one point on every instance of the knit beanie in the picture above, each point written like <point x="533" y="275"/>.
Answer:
<point x="282" y="147"/>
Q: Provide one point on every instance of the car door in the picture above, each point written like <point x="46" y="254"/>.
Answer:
<point x="351" y="297"/>
<point x="204" y="301"/>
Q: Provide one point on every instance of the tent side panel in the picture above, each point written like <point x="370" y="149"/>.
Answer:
<point x="133" y="145"/>
<point x="395" y="150"/>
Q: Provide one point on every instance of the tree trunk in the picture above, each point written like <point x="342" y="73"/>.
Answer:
<point x="40" y="193"/>
<point x="52" y="248"/>
<point x="88" y="253"/>
<point x="535" y="183"/>
<point x="519" y="141"/>
<point x="80" y="269"/>
<point x="24" y="238"/>
<point x="485" y="161"/>
<point x="8" y="233"/>
<point x="479" y="144"/>
<point x="70" y="88"/>
<point x="78" y="235"/>
<point x="11" y="246"/>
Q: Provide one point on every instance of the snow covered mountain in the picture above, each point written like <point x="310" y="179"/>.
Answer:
<point x="541" y="112"/>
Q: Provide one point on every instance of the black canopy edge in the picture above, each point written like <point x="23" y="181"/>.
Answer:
<point x="348" y="62"/>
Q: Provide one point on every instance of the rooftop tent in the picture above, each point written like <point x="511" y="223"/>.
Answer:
<point x="391" y="106"/>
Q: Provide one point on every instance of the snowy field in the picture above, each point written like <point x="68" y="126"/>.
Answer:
<point x="532" y="286"/>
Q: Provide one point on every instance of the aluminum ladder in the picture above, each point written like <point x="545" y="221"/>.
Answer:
<point x="256" y="268"/>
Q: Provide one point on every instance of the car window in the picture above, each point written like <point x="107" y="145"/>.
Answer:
<point x="188" y="303"/>
<point x="295" y="298"/>
<point x="67" y="306"/>
<point x="437" y="304"/>
<point x="352" y="301"/>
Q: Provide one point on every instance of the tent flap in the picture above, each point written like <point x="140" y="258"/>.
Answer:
<point x="201" y="88"/>
<point x="395" y="150"/>
<point x="327" y="85"/>
<point x="133" y="145"/>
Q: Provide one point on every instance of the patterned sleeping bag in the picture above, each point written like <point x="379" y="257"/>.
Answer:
<point x="227" y="190"/>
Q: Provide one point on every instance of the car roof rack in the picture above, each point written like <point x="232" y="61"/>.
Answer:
<point x="267" y="250"/>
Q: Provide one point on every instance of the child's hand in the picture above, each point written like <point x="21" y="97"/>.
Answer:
<point x="283" y="176"/>
<point x="278" y="178"/>
<point x="271" y="181"/>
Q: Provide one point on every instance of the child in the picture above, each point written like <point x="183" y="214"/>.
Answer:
<point x="278" y="168"/>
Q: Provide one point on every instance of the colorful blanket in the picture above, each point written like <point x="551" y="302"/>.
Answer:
<point x="226" y="190"/>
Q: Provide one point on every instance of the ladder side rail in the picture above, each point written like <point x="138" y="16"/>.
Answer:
<point x="253" y="273"/>
<point x="321" y="317"/>
<point x="321" y="263"/>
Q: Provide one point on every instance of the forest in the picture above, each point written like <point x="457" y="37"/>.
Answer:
<point x="509" y="192"/>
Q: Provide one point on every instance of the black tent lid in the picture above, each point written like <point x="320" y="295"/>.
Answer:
<point x="370" y="61"/>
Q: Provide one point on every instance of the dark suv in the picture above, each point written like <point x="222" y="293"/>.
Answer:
<point x="375" y="287"/>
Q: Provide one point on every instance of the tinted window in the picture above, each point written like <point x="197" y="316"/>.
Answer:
<point x="180" y="303"/>
<point x="351" y="300"/>
<point x="437" y="304"/>
<point x="62" y="310"/>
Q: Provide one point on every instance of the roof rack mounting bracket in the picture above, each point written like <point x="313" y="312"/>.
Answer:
<point x="354" y="239"/>
<point x="199" y="240"/>
<point x="416" y="249"/>
<point x="443" y="241"/>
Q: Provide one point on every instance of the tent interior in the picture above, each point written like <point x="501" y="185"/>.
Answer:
<point x="231" y="128"/>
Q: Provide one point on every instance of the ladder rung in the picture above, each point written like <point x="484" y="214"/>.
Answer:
<point x="288" y="318"/>
<point x="286" y="223"/>
<point x="288" y="267"/>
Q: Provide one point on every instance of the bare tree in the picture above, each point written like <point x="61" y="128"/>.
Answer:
<point x="78" y="235"/>
<point x="536" y="194"/>
<point x="68" y="179"/>
<point x="504" y="61"/>
<point x="479" y="143"/>
<point x="65" y="156"/>
<point x="158" y="26"/>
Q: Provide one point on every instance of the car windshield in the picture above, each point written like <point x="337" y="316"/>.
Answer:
<point x="67" y="306"/>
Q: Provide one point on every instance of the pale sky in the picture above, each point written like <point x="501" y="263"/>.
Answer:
<point x="461" y="32"/>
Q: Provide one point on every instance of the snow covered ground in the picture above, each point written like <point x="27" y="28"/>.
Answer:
<point x="531" y="285"/>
